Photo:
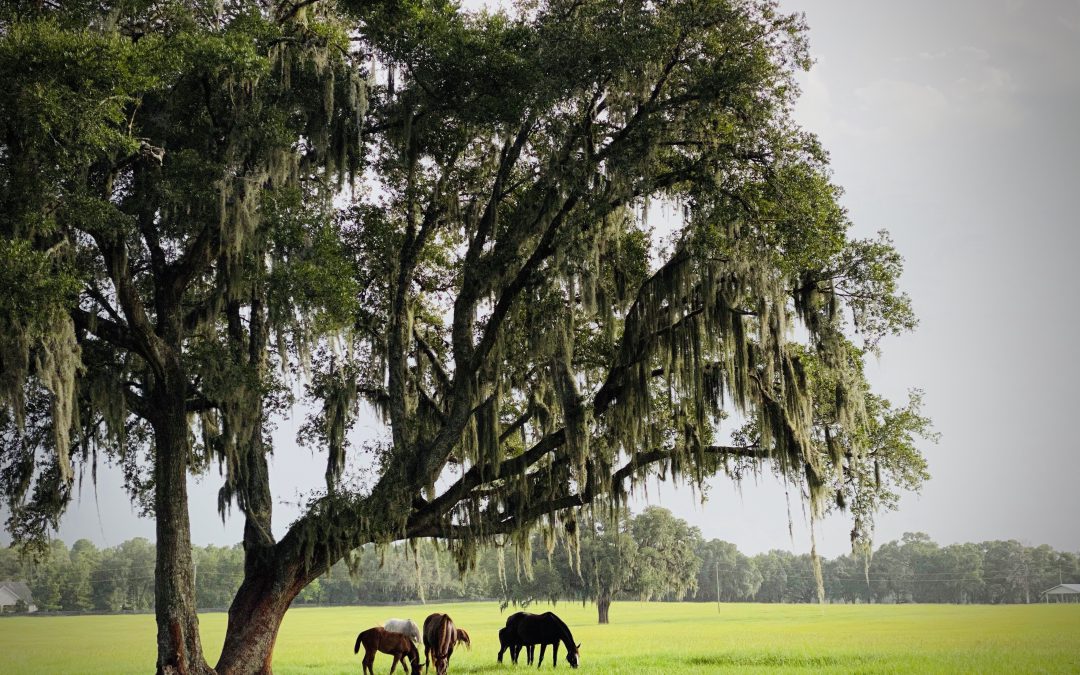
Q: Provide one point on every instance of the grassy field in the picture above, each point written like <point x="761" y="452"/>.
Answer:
<point x="642" y="638"/>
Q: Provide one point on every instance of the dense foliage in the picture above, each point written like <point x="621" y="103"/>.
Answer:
<point x="444" y="214"/>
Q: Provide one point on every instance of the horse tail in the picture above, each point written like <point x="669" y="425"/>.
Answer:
<point x="447" y="635"/>
<point x="360" y="641"/>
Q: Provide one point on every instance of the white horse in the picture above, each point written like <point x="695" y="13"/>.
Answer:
<point x="406" y="627"/>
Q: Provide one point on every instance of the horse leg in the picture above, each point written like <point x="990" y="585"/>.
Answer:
<point x="394" y="664"/>
<point x="540" y="661"/>
<point x="532" y="651"/>
<point x="369" y="658"/>
<point x="555" y="655"/>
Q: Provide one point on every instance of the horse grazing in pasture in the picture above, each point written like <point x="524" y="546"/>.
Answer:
<point x="406" y="627"/>
<point x="508" y="640"/>
<point x="544" y="629"/>
<point x="379" y="639"/>
<point x="463" y="638"/>
<point x="440" y="636"/>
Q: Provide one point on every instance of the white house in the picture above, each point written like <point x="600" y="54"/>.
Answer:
<point x="1063" y="593"/>
<point x="11" y="592"/>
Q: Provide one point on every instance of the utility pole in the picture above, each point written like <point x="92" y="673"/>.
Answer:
<point x="718" y="586"/>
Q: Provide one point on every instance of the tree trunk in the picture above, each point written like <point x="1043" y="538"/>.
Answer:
<point x="269" y="585"/>
<point x="603" y="605"/>
<point x="179" y="647"/>
<point x="254" y="619"/>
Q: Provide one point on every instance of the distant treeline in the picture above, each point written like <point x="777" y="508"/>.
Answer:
<point x="914" y="569"/>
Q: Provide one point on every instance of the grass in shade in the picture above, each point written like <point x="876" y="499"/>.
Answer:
<point x="643" y="638"/>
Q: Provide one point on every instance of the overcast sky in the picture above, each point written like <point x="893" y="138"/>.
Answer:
<point x="954" y="126"/>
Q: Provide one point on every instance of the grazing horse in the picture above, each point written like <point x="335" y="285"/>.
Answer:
<point x="406" y="627"/>
<point x="440" y="636"/>
<point x="379" y="639"/>
<point x="463" y="638"/>
<point x="544" y="629"/>
<point x="511" y="626"/>
<point x="508" y="640"/>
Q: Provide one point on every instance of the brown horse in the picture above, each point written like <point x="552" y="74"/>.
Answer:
<point x="378" y="639"/>
<point x="463" y="638"/>
<point x="440" y="636"/>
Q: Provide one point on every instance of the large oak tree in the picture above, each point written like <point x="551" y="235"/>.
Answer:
<point x="171" y="254"/>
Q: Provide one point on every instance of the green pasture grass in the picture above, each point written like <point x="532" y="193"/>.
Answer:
<point x="643" y="638"/>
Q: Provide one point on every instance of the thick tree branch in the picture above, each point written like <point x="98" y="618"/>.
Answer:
<point x="494" y="522"/>
<point x="140" y="331"/>
<point x="440" y="370"/>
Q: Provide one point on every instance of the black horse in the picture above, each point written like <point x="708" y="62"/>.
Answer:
<point x="542" y="629"/>
<point x="508" y="640"/>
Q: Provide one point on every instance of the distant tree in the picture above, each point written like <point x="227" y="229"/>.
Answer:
<point x="11" y="566"/>
<point x="109" y="581"/>
<point x="845" y="579"/>
<point x="609" y="561"/>
<point x="774" y="578"/>
<point x="964" y="563"/>
<point x="139" y="557"/>
<point x="891" y="574"/>
<point x="1007" y="572"/>
<point x="927" y="566"/>
<point x="801" y="576"/>
<point x="76" y="590"/>
<point x="665" y="566"/>
<point x="650" y="556"/>
<point x="726" y="575"/>
<point x="46" y="576"/>
<point x="218" y="573"/>
<point x="312" y="593"/>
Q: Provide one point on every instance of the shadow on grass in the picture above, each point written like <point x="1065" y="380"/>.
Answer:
<point x="778" y="661"/>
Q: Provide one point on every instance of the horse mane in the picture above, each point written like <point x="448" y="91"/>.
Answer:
<point x="564" y="630"/>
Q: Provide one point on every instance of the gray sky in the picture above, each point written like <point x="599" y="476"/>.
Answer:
<point x="952" y="125"/>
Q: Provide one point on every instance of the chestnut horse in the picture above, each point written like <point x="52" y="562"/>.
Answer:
<point x="440" y="636"/>
<point x="463" y="638"/>
<point x="378" y="639"/>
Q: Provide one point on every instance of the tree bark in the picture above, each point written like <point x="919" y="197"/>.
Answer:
<point x="603" y="605"/>
<point x="254" y="619"/>
<point x="179" y="647"/>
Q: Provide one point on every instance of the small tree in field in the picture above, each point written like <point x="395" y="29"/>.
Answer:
<point x="172" y="261"/>
<point x="649" y="557"/>
<point x="608" y="564"/>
